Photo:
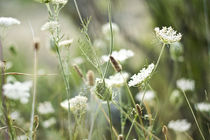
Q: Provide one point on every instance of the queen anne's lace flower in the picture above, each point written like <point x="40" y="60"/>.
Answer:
<point x="65" y="43"/>
<point x="8" y="21"/>
<point x="179" y="125"/>
<point x="203" y="107"/>
<point x="121" y="55"/>
<point x="45" y="108"/>
<point x="148" y="95"/>
<point x="18" y="91"/>
<point x="167" y="35"/>
<point x="116" y="80"/>
<point x="78" y="104"/>
<point x="59" y="1"/>
<point x="50" y="26"/>
<point x="185" y="84"/>
<point x="137" y="79"/>
<point x="49" y="122"/>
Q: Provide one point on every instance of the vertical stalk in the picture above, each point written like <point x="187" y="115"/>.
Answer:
<point x="131" y="127"/>
<point x="110" y="118"/>
<point x="3" y="98"/>
<point x="34" y="93"/>
<point x="161" y="52"/>
<point x="193" y="115"/>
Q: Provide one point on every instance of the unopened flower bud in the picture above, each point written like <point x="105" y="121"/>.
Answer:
<point x="115" y="64"/>
<point x="90" y="78"/>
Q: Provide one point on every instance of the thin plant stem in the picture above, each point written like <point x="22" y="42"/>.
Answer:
<point x="110" y="118"/>
<point x="161" y="53"/>
<point x="3" y="98"/>
<point x="34" y="94"/>
<point x="193" y="115"/>
<point x="121" y="115"/>
<point x="130" y="128"/>
<point x="111" y="36"/>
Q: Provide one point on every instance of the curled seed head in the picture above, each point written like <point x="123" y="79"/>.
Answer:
<point x="165" y="130"/>
<point x="90" y="78"/>
<point x="120" y="137"/>
<point x="76" y="68"/>
<point x="102" y="91"/>
<point x="115" y="64"/>
<point x="139" y="109"/>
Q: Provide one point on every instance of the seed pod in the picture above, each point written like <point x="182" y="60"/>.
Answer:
<point x="165" y="130"/>
<point x="90" y="78"/>
<point x="78" y="71"/>
<point x="36" y="44"/>
<point x="115" y="64"/>
<point x="102" y="91"/>
<point x="139" y="110"/>
<point x="120" y="137"/>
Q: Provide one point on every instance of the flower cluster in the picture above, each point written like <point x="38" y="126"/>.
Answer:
<point x="116" y="80"/>
<point x="203" y="107"/>
<point x="8" y="21"/>
<point x="121" y="55"/>
<point x="59" y="2"/>
<point x="78" y="104"/>
<point x="49" y="122"/>
<point x="18" y="91"/>
<point x="45" y="108"/>
<point x="66" y="43"/>
<point x="50" y="26"/>
<point x="148" y="95"/>
<point x="179" y="125"/>
<point x="185" y="84"/>
<point x="167" y="35"/>
<point x="144" y="74"/>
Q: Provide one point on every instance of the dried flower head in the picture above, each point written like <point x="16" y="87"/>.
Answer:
<point x="185" y="84"/>
<point x="63" y="2"/>
<point x="167" y="35"/>
<point x="45" y="108"/>
<point x="143" y="75"/>
<point x="8" y="21"/>
<point x="179" y="125"/>
<point x="65" y="43"/>
<point x="78" y="104"/>
<point x="115" y="64"/>
<point x="50" y="26"/>
<point x="203" y="107"/>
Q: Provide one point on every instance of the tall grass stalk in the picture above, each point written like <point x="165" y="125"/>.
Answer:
<point x="110" y="118"/>
<point x="3" y="98"/>
<point x="161" y="53"/>
<point x="131" y="128"/>
<point x="193" y="115"/>
<point x="34" y="94"/>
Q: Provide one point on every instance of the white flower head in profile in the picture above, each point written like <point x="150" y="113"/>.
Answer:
<point x="117" y="80"/>
<point x="143" y="75"/>
<point x="149" y="95"/>
<point x="45" y="108"/>
<point x="65" y="43"/>
<point x="48" y="123"/>
<point x="8" y="21"/>
<point x="203" y="107"/>
<point x="120" y="55"/>
<point x="18" y="91"/>
<point x="167" y="35"/>
<point x="185" y="84"/>
<point x="78" y="104"/>
<point x="179" y="125"/>
<point x="63" y="2"/>
<point x="106" y="29"/>
<point x="50" y="26"/>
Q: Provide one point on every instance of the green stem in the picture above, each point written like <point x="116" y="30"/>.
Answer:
<point x="131" y="127"/>
<point x="161" y="52"/>
<point x="193" y="115"/>
<point x="110" y="118"/>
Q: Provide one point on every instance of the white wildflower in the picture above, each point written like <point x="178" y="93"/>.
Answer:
<point x="49" y="122"/>
<point x="45" y="108"/>
<point x="179" y="125"/>
<point x="117" y="80"/>
<point x="50" y="26"/>
<point x="121" y="55"/>
<point x="15" y="115"/>
<point x="78" y="104"/>
<point x="66" y="43"/>
<point x="78" y="60"/>
<point x="203" y="107"/>
<point x="167" y="35"/>
<point x="148" y="96"/>
<point x="137" y="79"/>
<point x="8" y="21"/>
<point x="185" y="84"/>
<point x="59" y="2"/>
<point x="18" y="91"/>
<point x="106" y="29"/>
